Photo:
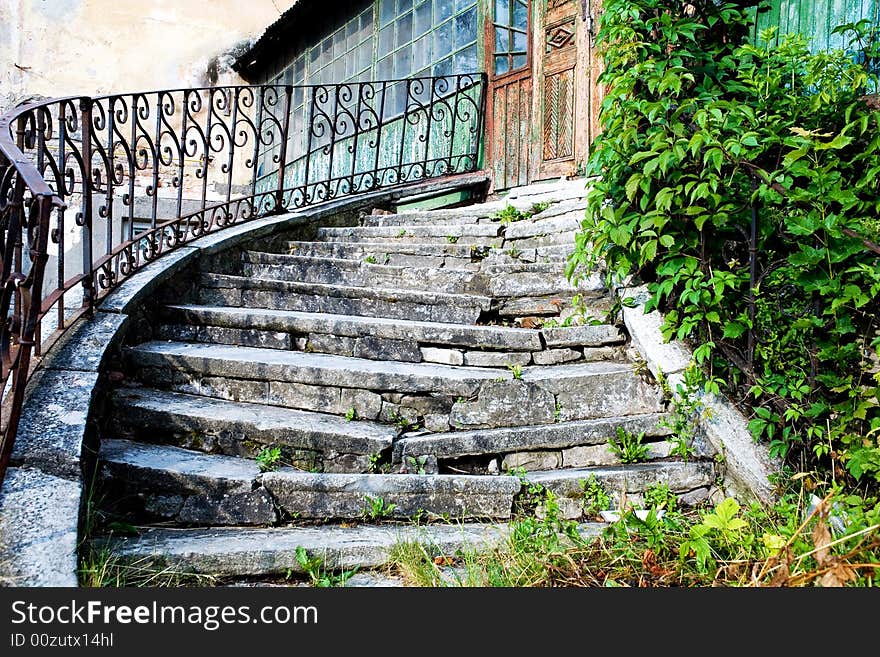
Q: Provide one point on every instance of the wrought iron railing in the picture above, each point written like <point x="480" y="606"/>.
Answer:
<point x="92" y="189"/>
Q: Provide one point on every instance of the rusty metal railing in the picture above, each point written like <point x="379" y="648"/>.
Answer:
<point x="93" y="189"/>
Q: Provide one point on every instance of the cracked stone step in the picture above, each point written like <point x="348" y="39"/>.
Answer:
<point x="461" y="234"/>
<point x="253" y="552"/>
<point x="557" y="436"/>
<point x="281" y="367"/>
<point x="541" y="225"/>
<point x="338" y="271"/>
<point x="170" y="483"/>
<point x="595" y="307"/>
<point x="353" y="326"/>
<point x="243" y="429"/>
<point x="478" y="213"/>
<point x="348" y="496"/>
<point x="226" y="290"/>
<point x="627" y="482"/>
<point x="439" y="255"/>
<point x="558" y="393"/>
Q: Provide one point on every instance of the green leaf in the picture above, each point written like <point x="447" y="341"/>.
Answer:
<point x="667" y="240"/>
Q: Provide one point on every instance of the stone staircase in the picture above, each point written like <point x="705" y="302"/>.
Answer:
<point x="405" y="369"/>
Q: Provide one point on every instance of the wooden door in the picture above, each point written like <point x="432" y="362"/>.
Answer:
<point x="562" y="102"/>
<point x="509" y="111"/>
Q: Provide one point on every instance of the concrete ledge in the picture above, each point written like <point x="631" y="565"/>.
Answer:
<point x="41" y="497"/>
<point x="53" y="422"/>
<point x="747" y="466"/>
<point x="38" y="529"/>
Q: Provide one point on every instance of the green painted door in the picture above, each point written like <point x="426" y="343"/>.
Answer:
<point x="816" y="19"/>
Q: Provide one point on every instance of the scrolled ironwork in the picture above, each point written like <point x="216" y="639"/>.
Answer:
<point x="145" y="173"/>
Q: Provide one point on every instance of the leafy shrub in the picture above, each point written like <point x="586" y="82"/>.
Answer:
<point x="702" y="128"/>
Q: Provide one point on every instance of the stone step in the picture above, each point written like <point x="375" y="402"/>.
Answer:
<point x="307" y="495"/>
<point x="309" y="440"/>
<point x="691" y="481"/>
<point x="448" y="256"/>
<point x="254" y="552"/>
<point x="167" y="483"/>
<point x="173" y="484"/>
<point x="563" y="438"/>
<point x="592" y="306"/>
<point x="340" y="271"/>
<point x="294" y="379"/>
<point x="470" y="214"/>
<point x="560" y="393"/>
<point x="460" y="234"/>
<point x="467" y="336"/>
<point x="226" y="290"/>
<point x="541" y="225"/>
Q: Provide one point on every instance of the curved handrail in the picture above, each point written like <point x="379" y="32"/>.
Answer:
<point x="97" y="187"/>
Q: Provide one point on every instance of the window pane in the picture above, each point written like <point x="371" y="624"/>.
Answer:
<point x="502" y="40"/>
<point x="465" y="61"/>
<point x="364" y="54"/>
<point x="443" y="68"/>
<point x="423" y="18"/>
<point x="520" y="15"/>
<point x="519" y="61"/>
<point x="466" y="28"/>
<point x="403" y="5"/>
<point x="386" y="40"/>
<point x="463" y="4"/>
<point x="387" y="11"/>
<point x="519" y="42"/>
<point x="385" y="70"/>
<point x="422" y="51"/>
<point x="404" y="29"/>
<point x="502" y="12"/>
<point x="443" y="40"/>
<point x="402" y="62"/>
<point x="442" y="10"/>
<point x="501" y="64"/>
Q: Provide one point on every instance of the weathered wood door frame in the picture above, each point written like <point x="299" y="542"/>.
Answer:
<point x="509" y="133"/>
<point x="560" y="57"/>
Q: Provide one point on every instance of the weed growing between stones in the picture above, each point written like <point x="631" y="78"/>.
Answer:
<point x="833" y="542"/>
<point x="318" y="575"/>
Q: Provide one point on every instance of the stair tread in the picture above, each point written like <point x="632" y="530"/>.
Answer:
<point x="527" y="437"/>
<point x="264" y="551"/>
<point x="178" y="461"/>
<point x="313" y="368"/>
<point x="503" y="337"/>
<point x="332" y="290"/>
<point x="313" y="430"/>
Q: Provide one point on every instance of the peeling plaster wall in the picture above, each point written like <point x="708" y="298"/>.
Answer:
<point x="92" y="47"/>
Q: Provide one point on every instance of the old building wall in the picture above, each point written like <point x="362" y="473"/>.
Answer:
<point x="91" y="47"/>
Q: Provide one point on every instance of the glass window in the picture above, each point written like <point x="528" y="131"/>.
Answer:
<point x="423" y="18"/>
<point x="387" y="9"/>
<point x="511" y="27"/>
<point x="466" y="27"/>
<point x="442" y="10"/>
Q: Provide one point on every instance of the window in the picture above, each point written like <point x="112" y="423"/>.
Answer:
<point x="511" y="35"/>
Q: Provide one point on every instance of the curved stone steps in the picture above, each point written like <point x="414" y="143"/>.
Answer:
<point x="335" y="384"/>
<point x="229" y="290"/>
<point x="449" y="256"/>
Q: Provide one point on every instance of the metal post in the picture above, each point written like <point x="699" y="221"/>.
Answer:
<point x="85" y="106"/>
<point x="282" y="155"/>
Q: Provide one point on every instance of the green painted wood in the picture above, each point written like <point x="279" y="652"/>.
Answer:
<point x="816" y="19"/>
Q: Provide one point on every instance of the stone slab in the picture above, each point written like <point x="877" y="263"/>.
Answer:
<point x="54" y="422"/>
<point x="147" y="279"/>
<point x="315" y="495"/>
<point x="39" y="529"/>
<point x="84" y="346"/>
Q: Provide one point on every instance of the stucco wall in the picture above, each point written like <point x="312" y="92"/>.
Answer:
<point x="89" y="47"/>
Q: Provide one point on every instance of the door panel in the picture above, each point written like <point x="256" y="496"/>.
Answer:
<point x="509" y="114"/>
<point x="562" y="89"/>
